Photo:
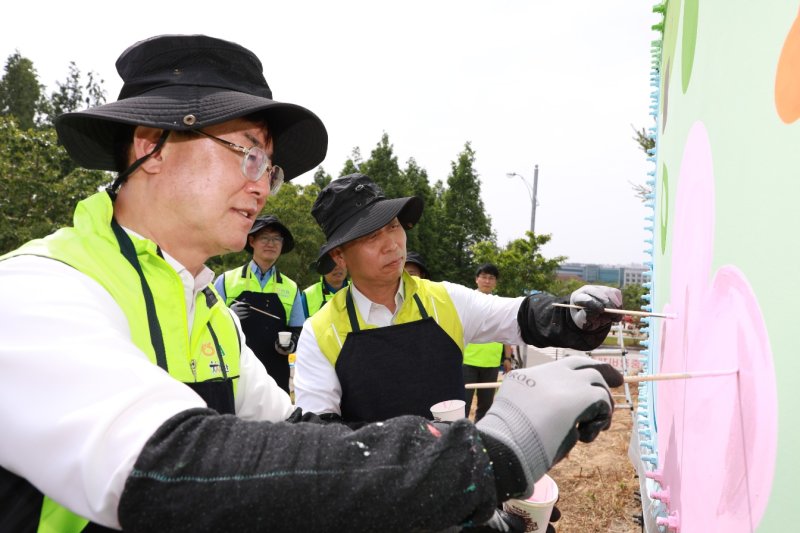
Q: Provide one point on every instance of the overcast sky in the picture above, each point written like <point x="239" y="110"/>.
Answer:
<point x="555" y="83"/>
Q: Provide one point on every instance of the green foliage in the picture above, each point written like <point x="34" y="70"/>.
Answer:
<point x="20" y="91"/>
<point x="322" y="178"/>
<point x="632" y="298"/>
<point x="522" y="266"/>
<point x="565" y="287"/>
<point x="464" y="219"/>
<point x="73" y="95"/>
<point x="40" y="187"/>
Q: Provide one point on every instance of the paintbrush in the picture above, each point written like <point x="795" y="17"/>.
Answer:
<point x="276" y="317"/>
<point x="621" y="311"/>
<point x="632" y="379"/>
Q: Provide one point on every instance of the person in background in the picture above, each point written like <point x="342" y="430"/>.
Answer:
<point x="415" y="266"/>
<point x="265" y="299"/>
<point x="316" y="295"/>
<point x="130" y="398"/>
<point x="391" y="344"/>
<point x="482" y="361"/>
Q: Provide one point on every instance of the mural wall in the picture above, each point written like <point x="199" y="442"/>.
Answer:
<point x="720" y="453"/>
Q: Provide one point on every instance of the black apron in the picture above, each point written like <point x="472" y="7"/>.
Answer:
<point x="396" y="370"/>
<point x="261" y="331"/>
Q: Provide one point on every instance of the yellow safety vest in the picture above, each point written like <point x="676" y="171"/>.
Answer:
<point x="242" y="279"/>
<point x="317" y="296"/>
<point x="485" y="355"/>
<point x="332" y="325"/>
<point x="91" y="247"/>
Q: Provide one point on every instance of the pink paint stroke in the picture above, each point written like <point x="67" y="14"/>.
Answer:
<point x="717" y="436"/>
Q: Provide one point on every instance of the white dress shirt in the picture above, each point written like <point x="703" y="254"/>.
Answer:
<point x="78" y="399"/>
<point x="484" y="317"/>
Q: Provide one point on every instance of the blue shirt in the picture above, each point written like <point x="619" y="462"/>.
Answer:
<point x="297" y="317"/>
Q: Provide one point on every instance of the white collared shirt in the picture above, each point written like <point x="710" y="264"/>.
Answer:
<point x="484" y="318"/>
<point x="79" y="397"/>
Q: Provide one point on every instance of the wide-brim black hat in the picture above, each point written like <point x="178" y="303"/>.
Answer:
<point x="188" y="82"/>
<point x="415" y="258"/>
<point x="271" y="221"/>
<point x="353" y="206"/>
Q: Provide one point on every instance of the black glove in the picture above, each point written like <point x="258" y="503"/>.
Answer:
<point x="286" y="350"/>
<point x="593" y="299"/>
<point x="500" y="521"/>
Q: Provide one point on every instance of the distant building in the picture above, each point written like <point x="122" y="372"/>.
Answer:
<point x="618" y="275"/>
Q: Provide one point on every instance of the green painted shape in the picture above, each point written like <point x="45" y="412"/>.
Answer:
<point x="670" y="39"/>
<point x="663" y="219"/>
<point x="688" y="41"/>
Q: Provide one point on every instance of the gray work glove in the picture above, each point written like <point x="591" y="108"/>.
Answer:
<point x="593" y="299"/>
<point x="539" y="413"/>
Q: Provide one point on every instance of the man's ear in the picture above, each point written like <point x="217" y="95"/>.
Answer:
<point x="145" y="140"/>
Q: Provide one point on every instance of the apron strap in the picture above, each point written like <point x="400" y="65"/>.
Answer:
<point x="129" y="252"/>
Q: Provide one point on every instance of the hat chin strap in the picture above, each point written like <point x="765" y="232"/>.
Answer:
<point x="122" y="176"/>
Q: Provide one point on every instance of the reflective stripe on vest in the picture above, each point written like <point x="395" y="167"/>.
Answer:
<point x="331" y="324"/>
<point x="242" y="279"/>
<point x="485" y="355"/>
<point x="92" y="248"/>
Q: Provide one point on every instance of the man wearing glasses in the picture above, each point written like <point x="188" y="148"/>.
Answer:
<point x="265" y="299"/>
<point x="130" y="400"/>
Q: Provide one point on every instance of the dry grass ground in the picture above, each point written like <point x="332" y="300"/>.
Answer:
<point x="597" y="481"/>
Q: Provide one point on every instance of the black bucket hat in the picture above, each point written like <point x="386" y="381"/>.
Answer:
<point x="271" y="221"/>
<point x="188" y="82"/>
<point x="353" y="206"/>
<point x="414" y="257"/>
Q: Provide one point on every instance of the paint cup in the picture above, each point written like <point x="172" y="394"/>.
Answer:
<point x="536" y="510"/>
<point x="284" y="338"/>
<point x="448" y="410"/>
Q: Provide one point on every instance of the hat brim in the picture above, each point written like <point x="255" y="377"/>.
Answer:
<point x="288" y="238"/>
<point x="372" y="218"/>
<point x="300" y="139"/>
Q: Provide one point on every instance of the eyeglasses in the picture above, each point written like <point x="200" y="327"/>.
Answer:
<point x="254" y="162"/>
<point x="274" y="239"/>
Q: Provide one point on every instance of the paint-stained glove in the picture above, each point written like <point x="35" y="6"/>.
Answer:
<point x="540" y="413"/>
<point x="593" y="299"/>
<point x="500" y="521"/>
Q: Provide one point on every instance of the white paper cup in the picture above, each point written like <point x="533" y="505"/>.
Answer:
<point x="448" y="410"/>
<point x="536" y="510"/>
<point x="284" y="338"/>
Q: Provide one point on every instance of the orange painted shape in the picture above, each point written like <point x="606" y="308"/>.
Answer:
<point x="787" y="77"/>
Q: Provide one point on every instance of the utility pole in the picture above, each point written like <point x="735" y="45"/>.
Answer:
<point x="531" y="191"/>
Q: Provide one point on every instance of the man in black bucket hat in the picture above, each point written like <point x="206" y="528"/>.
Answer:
<point x="266" y="300"/>
<point x="415" y="265"/>
<point x="130" y="399"/>
<point x="392" y="344"/>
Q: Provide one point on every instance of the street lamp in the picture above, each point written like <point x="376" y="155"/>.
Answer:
<point x="531" y="191"/>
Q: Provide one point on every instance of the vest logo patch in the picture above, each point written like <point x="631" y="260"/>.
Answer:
<point x="208" y="349"/>
<point x="215" y="368"/>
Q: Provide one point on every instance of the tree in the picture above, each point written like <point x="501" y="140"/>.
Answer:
<point x="20" y="91"/>
<point x="73" y="95"/>
<point x="322" y="178"/>
<point x="465" y="222"/>
<point x="522" y="266"/>
<point x="648" y="145"/>
<point x="353" y="163"/>
<point x="632" y="298"/>
<point x="38" y="196"/>
<point x="382" y="167"/>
